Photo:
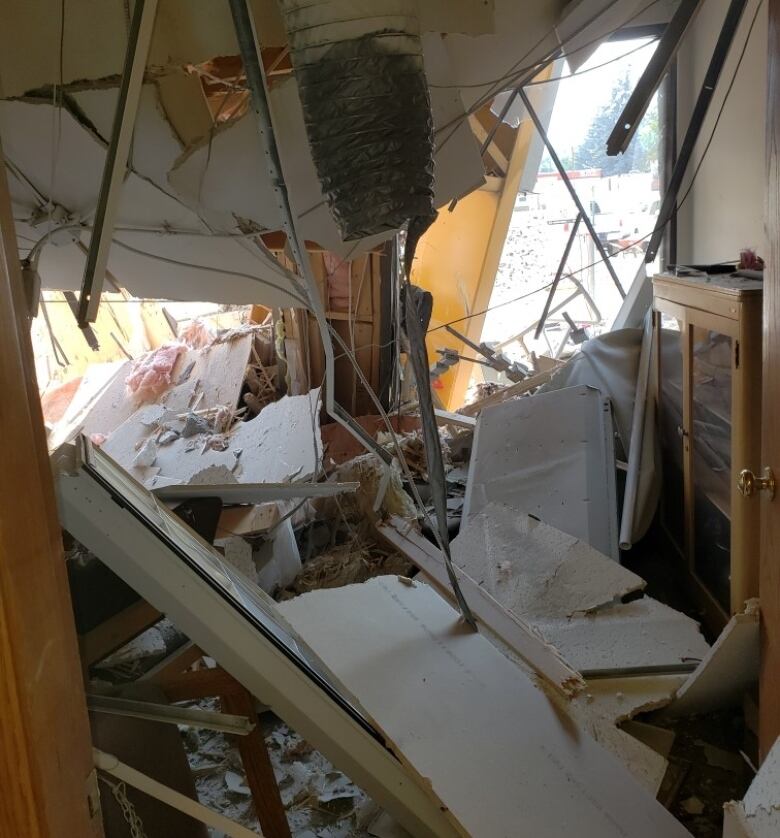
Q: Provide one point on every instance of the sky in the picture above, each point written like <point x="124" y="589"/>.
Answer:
<point x="580" y="97"/>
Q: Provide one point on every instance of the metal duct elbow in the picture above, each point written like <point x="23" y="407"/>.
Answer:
<point x="367" y="110"/>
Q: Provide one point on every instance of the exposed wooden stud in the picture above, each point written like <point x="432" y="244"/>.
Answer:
<point x="492" y="149"/>
<point x="257" y="767"/>
<point x="174" y="664"/>
<point x="524" y="386"/>
<point x="197" y="683"/>
<point x="116" y="631"/>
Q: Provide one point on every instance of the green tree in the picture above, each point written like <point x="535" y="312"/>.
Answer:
<point x="592" y="151"/>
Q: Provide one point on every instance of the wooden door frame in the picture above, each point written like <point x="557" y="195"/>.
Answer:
<point x="769" y="681"/>
<point x="48" y="782"/>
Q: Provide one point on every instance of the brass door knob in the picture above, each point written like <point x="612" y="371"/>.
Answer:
<point x="748" y="484"/>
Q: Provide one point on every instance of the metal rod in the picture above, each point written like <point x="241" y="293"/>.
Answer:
<point x="418" y="357"/>
<point x="190" y="717"/>
<point x="139" y="39"/>
<point x="552" y="54"/>
<point x="485" y="351"/>
<point x="558" y="275"/>
<point x="641" y="671"/>
<point x="249" y="48"/>
<point x="650" y="80"/>
<point x="254" y="492"/>
<point x="636" y="442"/>
<point x="572" y="191"/>
<point x="711" y="78"/>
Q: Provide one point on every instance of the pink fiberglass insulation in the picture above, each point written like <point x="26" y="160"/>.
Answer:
<point x="197" y="335"/>
<point x="151" y="373"/>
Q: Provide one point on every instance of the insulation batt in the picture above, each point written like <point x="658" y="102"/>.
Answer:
<point x="151" y="373"/>
<point x="197" y="335"/>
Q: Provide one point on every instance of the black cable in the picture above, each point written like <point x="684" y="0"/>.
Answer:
<point x="595" y="67"/>
<point x="513" y="75"/>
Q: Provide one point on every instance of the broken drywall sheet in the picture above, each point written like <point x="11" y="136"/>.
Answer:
<point x="185" y="32"/>
<point x="281" y="444"/>
<point x="660" y="739"/>
<point x="155" y="145"/>
<point x="213" y="376"/>
<point x="549" y="455"/>
<point x="457" y="160"/>
<point x="728" y="669"/>
<point x="97" y="380"/>
<point x="185" y="105"/>
<point x="207" y="174"/>
<point x="206" y="177"/>
<point x="519" y="765"/>
<point x="168" y="252"/>
<point x="608" y="702"/>
<point x="758" y="814"/>
<point x="510" y="633"/>
<point x="521" y="29"/>
<point x="641" y="633"/>
<point x="535" y="570"/>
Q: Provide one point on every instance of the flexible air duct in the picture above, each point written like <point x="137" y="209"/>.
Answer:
<point x="359" y="68"/>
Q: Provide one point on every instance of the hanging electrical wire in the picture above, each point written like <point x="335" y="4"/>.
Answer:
<point x="661" y="226"/>
<point x="526" y="74"/>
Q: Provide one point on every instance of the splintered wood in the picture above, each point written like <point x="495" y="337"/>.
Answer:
<point x="517" y="766"/>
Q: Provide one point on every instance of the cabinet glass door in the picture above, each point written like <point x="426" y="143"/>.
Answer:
<point x="711" y="386"/>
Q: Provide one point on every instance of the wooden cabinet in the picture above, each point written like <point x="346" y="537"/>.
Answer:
<point x="708" y="339"/>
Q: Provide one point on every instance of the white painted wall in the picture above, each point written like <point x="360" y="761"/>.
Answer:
<point x="725" y="211"/>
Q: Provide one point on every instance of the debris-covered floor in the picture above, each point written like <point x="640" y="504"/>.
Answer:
<point x="522" y="537"/>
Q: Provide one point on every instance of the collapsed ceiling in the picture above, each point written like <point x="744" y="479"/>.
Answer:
<point x="197" y="193"/>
